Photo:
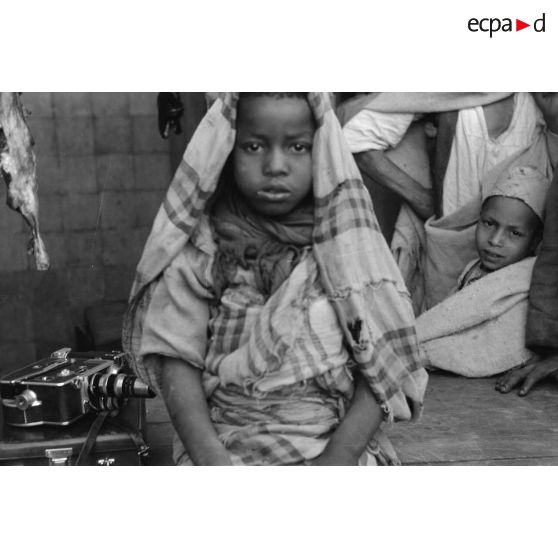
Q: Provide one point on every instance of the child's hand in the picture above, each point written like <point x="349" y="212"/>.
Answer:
<point x="548" y="103"/>
<point x="536" y="370"/>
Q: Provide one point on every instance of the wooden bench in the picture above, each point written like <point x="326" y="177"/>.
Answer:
<point x="465" y="422"/>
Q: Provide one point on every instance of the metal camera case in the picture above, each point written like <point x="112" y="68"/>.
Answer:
<point x="52" y="391"/>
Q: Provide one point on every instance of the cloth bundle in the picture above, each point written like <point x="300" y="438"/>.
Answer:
<point x="480" y="330"/>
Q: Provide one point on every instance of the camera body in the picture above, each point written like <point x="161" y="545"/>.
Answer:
<point x="63" y="387"/>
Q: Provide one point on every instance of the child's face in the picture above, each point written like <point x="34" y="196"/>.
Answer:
<point x="506" y="232"/>
<point x="272" y="157"/>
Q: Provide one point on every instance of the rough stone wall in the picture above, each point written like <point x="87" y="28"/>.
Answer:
<point x="103" y="171"/>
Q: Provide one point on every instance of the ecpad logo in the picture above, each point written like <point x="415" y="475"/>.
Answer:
<point x="494" y="24"/>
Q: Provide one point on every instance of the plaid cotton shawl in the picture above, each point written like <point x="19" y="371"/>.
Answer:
<point x="356" y="269"/>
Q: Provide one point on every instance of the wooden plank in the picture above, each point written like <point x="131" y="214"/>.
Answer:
<point x="549" y="461"/>
<point x="468" y="421"/>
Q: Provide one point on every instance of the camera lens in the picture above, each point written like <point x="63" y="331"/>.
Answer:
<point x="118" y="385"/>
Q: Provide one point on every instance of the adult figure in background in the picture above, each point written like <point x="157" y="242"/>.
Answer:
<point x="542" y="317"/>
<point x="478" y="137"/>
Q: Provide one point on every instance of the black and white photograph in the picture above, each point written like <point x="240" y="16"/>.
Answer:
<point x="279" y="279"/>
<point x="213" y="303"/>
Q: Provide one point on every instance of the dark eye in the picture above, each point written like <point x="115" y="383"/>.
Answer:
<point x="252" y="147"/>
<point x="486" y="223"/>
<point x="517" y="234"/>
<point x="301" y="147"/>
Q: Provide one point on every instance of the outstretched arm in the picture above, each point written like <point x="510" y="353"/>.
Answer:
<point x="379" y="167"/>
<point x="187" y="406"/>
<point x="349" y="440"/>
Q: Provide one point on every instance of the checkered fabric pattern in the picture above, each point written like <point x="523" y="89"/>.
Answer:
<point x="372" y="311"/>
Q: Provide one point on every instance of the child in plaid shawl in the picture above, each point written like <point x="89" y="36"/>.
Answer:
<point x="267" y="310"/>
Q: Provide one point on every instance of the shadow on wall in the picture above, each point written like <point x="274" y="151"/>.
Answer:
<point x="103" y="171"/>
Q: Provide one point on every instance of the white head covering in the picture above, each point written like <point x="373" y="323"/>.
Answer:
<point x="525" y="183"/>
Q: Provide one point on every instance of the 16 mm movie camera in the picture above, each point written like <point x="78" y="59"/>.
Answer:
<point x="60" y="389"/>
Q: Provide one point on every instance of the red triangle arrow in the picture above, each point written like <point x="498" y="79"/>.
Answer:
<point x="519" y="25"/>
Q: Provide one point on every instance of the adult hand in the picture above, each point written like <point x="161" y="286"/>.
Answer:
<point x="548" y="104"/>
<point x="525" y="377"/>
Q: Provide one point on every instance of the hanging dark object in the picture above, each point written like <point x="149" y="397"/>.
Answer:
<point x="171" y="110"/>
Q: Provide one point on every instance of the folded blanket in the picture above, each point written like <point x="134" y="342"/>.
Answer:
<point x="480" y="330"/>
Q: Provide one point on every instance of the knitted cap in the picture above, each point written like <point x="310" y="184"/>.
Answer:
<point x="524" y="183"/>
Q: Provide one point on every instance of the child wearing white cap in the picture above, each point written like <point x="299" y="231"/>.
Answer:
<point x="510" y="223"/>
<point x="479" y="330"/>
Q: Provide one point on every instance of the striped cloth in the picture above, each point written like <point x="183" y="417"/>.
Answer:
<point x="353" y="266"/>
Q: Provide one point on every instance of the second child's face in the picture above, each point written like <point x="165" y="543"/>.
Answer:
<point x="506" y="232"/>
<point x="272" y="157"/>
